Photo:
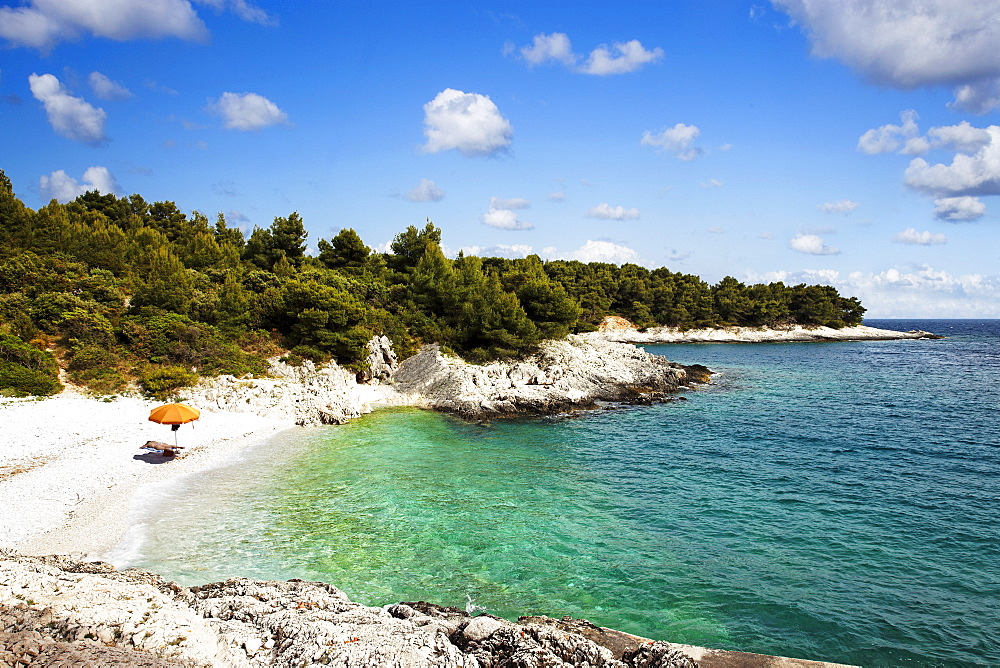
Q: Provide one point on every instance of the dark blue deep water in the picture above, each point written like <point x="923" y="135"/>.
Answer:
<point x="831" y="501"/>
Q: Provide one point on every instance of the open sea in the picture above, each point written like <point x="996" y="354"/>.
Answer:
<point x="828" y="501"/>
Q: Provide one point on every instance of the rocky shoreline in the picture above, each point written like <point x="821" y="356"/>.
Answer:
<point x="58" y="610"/>
<point x="621" y="330"/>
<point x="569" y="374"/>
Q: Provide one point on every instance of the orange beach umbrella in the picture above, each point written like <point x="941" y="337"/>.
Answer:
<point x="174" y="414"/>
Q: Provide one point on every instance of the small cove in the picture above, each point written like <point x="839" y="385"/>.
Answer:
<point x="825" y="501"/>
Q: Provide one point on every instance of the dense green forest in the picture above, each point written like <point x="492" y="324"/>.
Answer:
<point x="122" y="290"/>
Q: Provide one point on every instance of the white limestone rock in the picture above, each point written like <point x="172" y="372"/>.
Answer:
<point x="574" y="372"/>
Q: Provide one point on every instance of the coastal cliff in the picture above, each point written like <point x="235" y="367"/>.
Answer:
<point x="58" y="610"/>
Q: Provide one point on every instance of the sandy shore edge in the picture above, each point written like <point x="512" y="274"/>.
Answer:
<point x="71" y="466"/>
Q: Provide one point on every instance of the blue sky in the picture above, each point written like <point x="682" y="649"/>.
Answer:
<point x="849" y="142"/>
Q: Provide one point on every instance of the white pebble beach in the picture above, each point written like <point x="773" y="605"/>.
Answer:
<point x="71" y="467"/>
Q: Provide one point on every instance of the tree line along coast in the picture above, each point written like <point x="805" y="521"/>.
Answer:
<point x="118" y="290"/>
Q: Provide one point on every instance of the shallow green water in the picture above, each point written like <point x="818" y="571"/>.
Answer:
<point x="825" y="501"/>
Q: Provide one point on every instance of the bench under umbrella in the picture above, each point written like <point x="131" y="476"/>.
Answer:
<point x="174" y="415"/>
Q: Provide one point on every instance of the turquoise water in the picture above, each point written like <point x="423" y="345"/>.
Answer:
<point x="833" y="501"/>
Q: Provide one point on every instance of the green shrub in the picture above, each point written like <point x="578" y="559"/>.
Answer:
<point x="291" y="359"/>
<point x="83" y="325"/>
<point x="25" y="370"/>
<point x="310" y="353"/>
<point x="162" y="382"/>
<point x="97" y="368"/>
<point x="175" y="340"/>
<point x="101" y="381"/>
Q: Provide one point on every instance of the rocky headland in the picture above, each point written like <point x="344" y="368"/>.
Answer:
<point x="619" y="329"/>
<point x="568" y="374"/>
<point x="61" y="611"/>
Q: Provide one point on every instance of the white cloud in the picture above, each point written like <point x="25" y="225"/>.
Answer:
<point x="926" y="238"/>
<point x="72" y="117"/>
<point x="959" y="209"/>
<point x="843" y="206"/>
<point x="675" y="256"/>
<point x="926" y="292"/>
<point x="963" y="138"/>
<point x="500" y="250"/>
<point x="226" y="187"/>
<point x="426" y="191"/>
<point x="512" y="203"/>
<point x="544" y="48"/>
<point x="980" y="98"/>
<point x="906" y="44"/>
<point x="608" y="212"/>
<point x="42" y="24"/>
<point x="913" y="292"/>
<point x="595" y="251"/>
<point x="501" y="214"/>
<point x="158" y="87"/>
<point x="468" y="122"/>
<point x="619" y="58"/>
<point x="974" y="169"/>
<point x="622" y="57"/>
<point x="556" y="196"/>
<point x="711" y="183"/>
<point x="976" y="174"/>
<point x="61" y="186"/>
<point x="811" y="244"/>
<point x="247" y="111"/>
<point x="236" y="216"/>
<point x="890" y="138"/>
<point x="242" y="9"/>
<point x="923" y="291"/>
<point x="106" y="89"/>
<point x="678" y="140"/>
<point x="505" y="219"/>
<point x="814" y="276"/>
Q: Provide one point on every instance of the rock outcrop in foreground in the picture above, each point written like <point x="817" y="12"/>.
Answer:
<point x="57" y="611"/>
<point x="566" y="374"/>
